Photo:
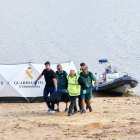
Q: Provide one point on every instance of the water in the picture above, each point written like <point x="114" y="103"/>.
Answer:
<point x="75" y="30"/>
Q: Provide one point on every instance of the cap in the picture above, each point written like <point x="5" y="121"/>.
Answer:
<point x="82" y="64"/>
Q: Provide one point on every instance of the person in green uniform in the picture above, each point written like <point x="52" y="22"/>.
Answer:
<point x="82" y="65"/>
<point x="62" y="82"/>
<point x="86" y="90"/>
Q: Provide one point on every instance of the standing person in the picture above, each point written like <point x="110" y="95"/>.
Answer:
<point x="82" y="65"/>
<point x="51" y="83"/>
<point x="62" y="82"/>
<point x="86" y="90"/>
<point x="74" y="87"/>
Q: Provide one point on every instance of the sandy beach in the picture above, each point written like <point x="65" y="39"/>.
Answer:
<point x="111" y="119"/>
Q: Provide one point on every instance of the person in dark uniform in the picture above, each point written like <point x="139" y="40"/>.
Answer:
<point x="51" y="83"/>
<point x="62" y="82"/>
<point x="86" y="90"/>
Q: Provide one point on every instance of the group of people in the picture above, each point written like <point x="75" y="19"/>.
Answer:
<point x="74" y="85"/>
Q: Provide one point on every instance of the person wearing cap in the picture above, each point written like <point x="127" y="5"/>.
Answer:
<point x="82" y="65"/>
<point x="86" y="90"/>
<point x="62" y="82"/>
<point x="51" y="83"/>
<point x="74" y="86"/>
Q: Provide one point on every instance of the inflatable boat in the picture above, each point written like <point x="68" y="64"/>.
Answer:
<point x="118" y="86"/>
<point x="112" y="84"/>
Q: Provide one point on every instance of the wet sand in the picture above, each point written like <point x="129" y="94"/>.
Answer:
<point x="112" y="119"/>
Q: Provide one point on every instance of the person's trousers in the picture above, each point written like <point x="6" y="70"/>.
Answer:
<point x="46" y="92"/>
<point x="72" y="106"/>
<point x="80" y="102"/>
